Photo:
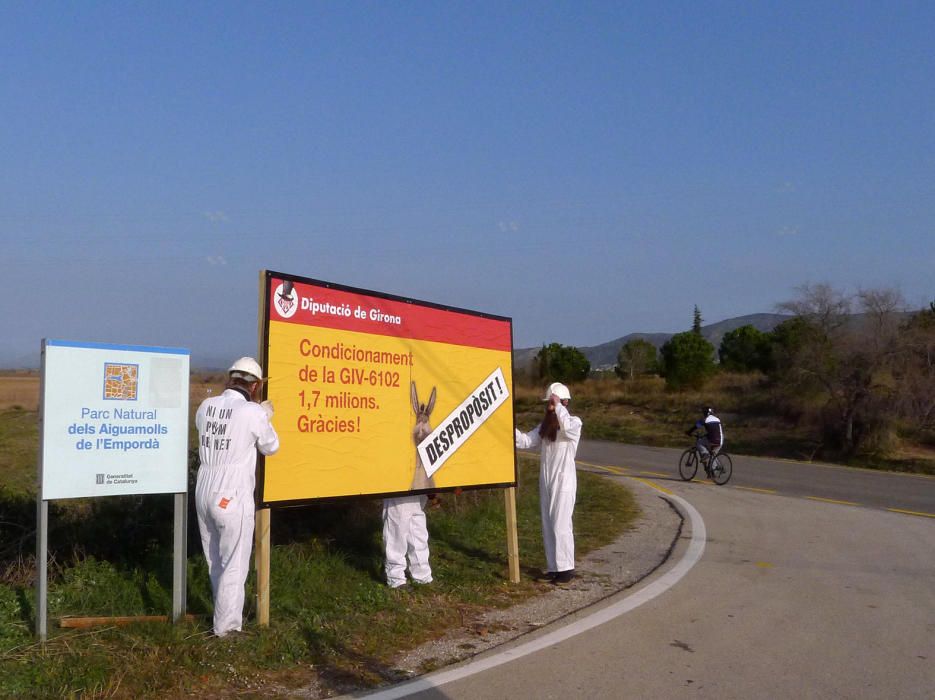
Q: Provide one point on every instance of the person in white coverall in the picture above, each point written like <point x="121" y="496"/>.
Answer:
<point x="557" y="437"/>
<point x="405" y="536"/>
<point x="231" y="428"/>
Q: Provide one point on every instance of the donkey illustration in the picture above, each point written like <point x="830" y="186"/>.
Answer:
<point x="421" y="430"/>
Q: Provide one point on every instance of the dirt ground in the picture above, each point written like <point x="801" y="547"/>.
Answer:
<point x="22" y="389"/>
<point x="19" y="389"/>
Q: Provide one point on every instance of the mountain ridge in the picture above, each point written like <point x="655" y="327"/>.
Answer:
<point x="604" y="355"/>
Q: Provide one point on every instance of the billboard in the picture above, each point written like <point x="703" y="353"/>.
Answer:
<point x="114" y="420"/>
<point x="376" y="394"/>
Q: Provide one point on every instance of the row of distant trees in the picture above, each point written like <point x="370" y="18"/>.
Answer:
<point x="563" y="363"/>
<point x="865" y="360"/>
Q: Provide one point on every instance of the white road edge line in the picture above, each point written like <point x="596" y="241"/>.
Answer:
<point x="644" y="595"/>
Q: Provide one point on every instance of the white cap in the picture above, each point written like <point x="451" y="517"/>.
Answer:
<point x="560" y="390"/>
<point x="246" y="368"/>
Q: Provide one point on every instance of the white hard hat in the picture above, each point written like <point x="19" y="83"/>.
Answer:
<point x="560" y="390"/>
<point x="246" y="368"/>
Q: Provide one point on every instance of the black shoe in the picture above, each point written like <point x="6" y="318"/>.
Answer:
<point x="563" y="577"/>
<point x="547" y="576"/>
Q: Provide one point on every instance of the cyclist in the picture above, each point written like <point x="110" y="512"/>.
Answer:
<point x="712" y="440"/>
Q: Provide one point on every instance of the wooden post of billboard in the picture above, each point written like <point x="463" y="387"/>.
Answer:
<point x="261" y="534"/>
<point x="512" y="534"/>
<point x="262" y="567"/>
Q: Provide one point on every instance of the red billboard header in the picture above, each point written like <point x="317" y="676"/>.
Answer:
<point x="327" y="306"/>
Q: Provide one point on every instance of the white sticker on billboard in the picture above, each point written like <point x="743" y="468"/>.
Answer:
<point x="114" y="420"/>
<point x="461" y="423"/>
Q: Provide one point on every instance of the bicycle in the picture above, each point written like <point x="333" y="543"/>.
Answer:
<point x="718" y="469"/>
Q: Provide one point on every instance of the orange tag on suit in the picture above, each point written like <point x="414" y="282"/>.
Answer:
<point x="224" y="502"/>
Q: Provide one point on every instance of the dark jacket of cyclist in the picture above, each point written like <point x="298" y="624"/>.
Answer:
<point x="713" y="438"/>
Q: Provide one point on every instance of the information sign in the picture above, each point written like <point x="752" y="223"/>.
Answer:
<point x="114" y="420"/>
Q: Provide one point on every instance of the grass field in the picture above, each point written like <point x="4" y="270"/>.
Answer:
<point x="642" y="412"/>
<point x="19" y="390"/>
<point x="334" y="621"/>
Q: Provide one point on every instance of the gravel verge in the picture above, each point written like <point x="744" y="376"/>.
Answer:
<point x="602" y="573"/>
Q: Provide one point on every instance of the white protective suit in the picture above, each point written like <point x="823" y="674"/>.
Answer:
<point x="406" y="536"/>
<point x="558" y="485"/>
<point x="230" y="431"/>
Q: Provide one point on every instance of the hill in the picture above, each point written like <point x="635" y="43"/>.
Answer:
<point x="604" y="356"/>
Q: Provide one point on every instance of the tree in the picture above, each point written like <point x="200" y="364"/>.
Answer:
<point x="687" y="360"/>
<point x="637" y="356"/>
<point x="697" y="321"/>
<point x="561" y="363"/>
<point x="850" y="360"/>
<point x="785" y="343"/>
<point x="826" y="309"/>
<point x="915" y="371"/>
<point x="745" y="349"/>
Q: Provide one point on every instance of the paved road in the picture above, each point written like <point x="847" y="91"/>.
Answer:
<point x="791" y="598"/>
<point x="910" y="493"/>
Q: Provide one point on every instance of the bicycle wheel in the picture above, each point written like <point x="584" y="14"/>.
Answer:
<point x="688" y="464"/>
<point x="721" y="469"/>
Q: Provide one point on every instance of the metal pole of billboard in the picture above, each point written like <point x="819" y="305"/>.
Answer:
<point x="261" y="533"/>
<point x="180" y="556"/>
<point x="512" y="533"/>
<point x="42" y="567"/>
<point x="42" y="516"/>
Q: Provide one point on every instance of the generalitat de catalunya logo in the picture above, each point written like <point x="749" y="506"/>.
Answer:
<point x="285" y="301"/>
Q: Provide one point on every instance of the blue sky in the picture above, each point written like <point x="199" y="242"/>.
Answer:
<point x="588" y="169"/>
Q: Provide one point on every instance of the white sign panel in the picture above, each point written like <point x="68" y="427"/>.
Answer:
<point x="114" y="420"/>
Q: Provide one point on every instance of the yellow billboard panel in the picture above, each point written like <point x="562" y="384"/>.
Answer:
<point x="378" y="395"/>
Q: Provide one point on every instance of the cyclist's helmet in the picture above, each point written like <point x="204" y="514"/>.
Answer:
<point x="708" y="411"/>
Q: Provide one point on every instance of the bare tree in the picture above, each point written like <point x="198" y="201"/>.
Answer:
<point x="850" y="362"/>
<point x="883" y="310"/>
<point x="821" y="305"/>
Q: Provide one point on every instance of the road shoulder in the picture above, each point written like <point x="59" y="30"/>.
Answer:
<point x="601" y="574"/>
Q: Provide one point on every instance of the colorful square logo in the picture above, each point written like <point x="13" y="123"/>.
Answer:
<point x="121" y="381"/>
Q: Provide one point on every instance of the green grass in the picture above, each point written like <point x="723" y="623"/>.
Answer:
<point x="332" y="617"/>
<point x="19" y="450"/>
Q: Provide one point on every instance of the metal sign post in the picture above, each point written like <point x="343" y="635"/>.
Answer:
<point x="42" y="567"/>
<point x="180" y="557"/>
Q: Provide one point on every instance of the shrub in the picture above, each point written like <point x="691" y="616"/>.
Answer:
<point x="562" y="363"/>
<point x="687" y="361"/>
